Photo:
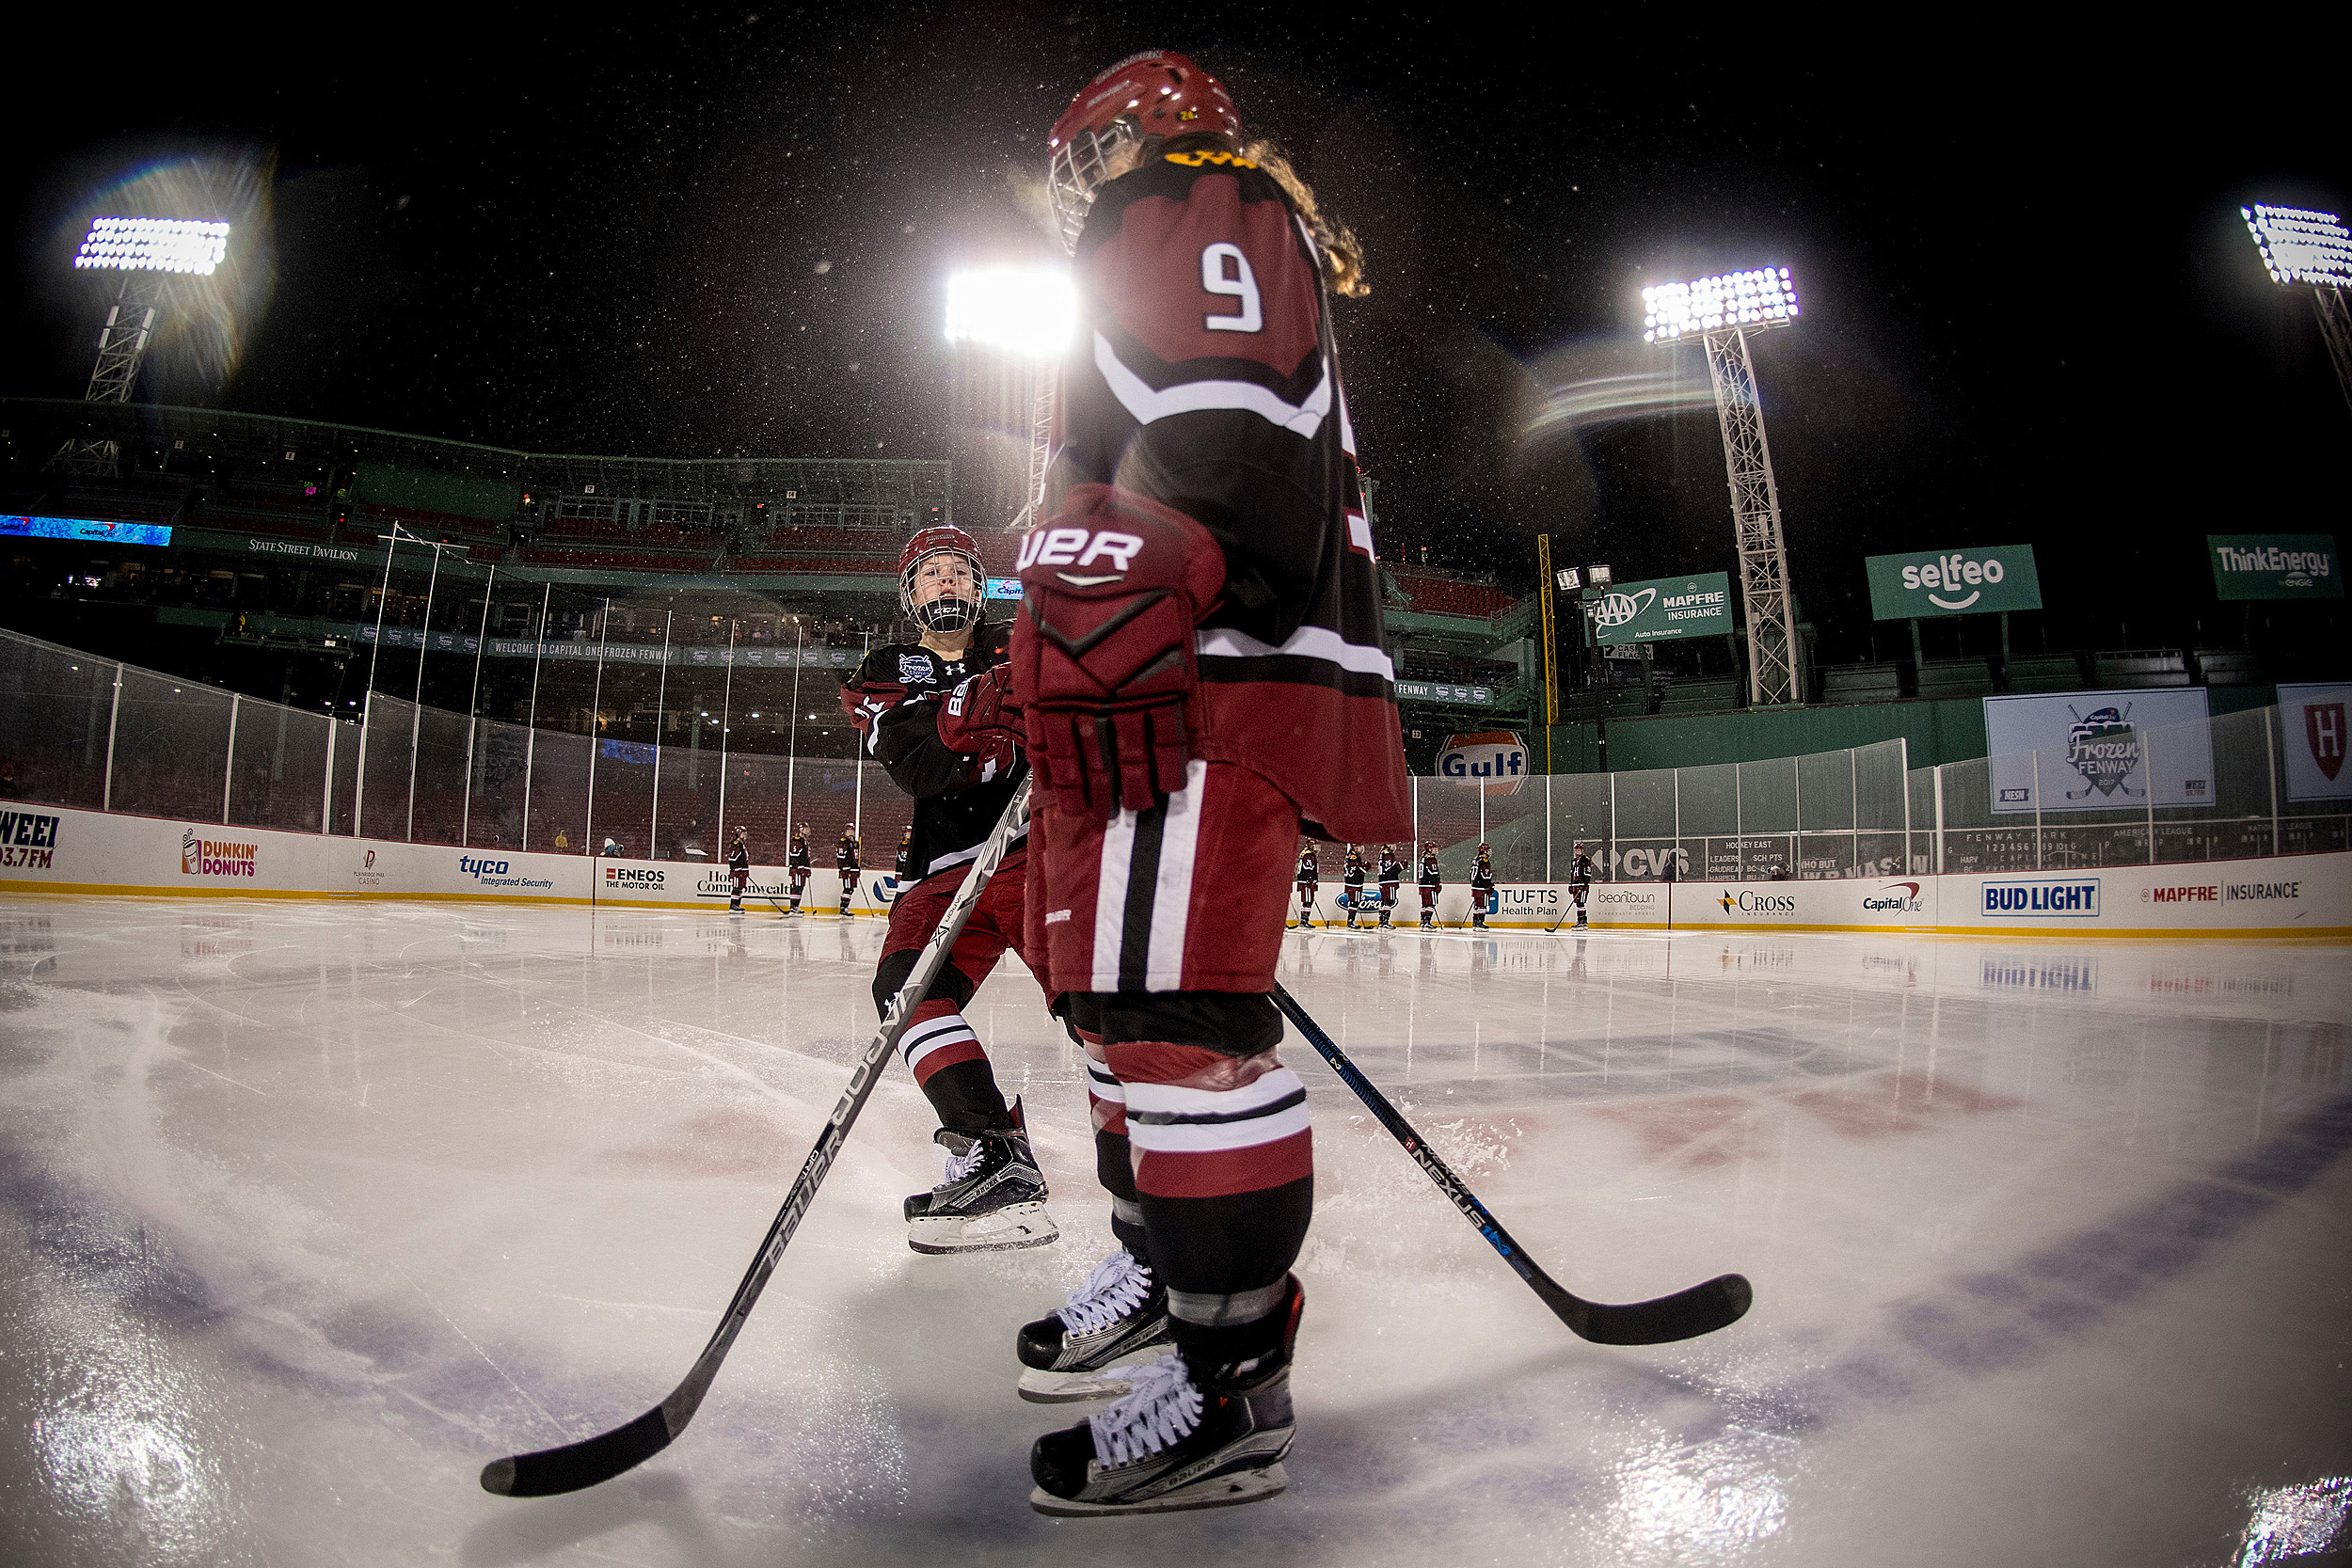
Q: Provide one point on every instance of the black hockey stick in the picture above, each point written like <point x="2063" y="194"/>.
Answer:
<point x="1684" y="1315"/>
<point x="601" y="1457"/>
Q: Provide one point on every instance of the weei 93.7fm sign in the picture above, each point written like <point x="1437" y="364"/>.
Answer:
<point x="1953" y="582"/>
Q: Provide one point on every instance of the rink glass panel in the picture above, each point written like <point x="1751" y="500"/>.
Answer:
<point x="171" y="748"/>
<point x="54" y="705"/>
<point x="185" y="750"/>
<point x="278" y="772"/>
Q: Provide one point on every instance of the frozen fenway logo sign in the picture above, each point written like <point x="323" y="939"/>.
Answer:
<point x="2104" y="747"/>
<point x="212" y="857"/>
<point x="1496" y="760"/>
<point x="2076" y="898"/>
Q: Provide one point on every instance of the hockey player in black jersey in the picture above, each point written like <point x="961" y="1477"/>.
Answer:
<point x="1354" y="877"/>
<point x="1482" y="896"/>
<point x="1309" y="879"/>
<point x="901" y="872"/>
<point x="1391" y="877"/>
<point x="1432" y="882"/>
<point x="796" y="864"/>
<point x="845" y="861"/>
<point x="1581" y="882"/>
<point x="738" y="871"/>
<point x="934" y="713"/>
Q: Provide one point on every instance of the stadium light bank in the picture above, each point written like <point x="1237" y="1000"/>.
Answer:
<point x="1032" y="314"/>
<point x="146" y="251"/>
<point x="1720" y="313"/>
<point x="2307" y="249"/>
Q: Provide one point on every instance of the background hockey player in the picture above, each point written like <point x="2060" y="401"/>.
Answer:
<point x="845" y="861"/>
<point x="903" y="871"/>
<point x="1483" y="899"/>
<point x="1200" y="653"/>
<point x="738" y="871"/>
<point x="933" y="713"/>
<point x="796" y="865"/>
<point x="1309" y="878"/>
<point x="1432" y="883"/>
<point x="1579" y="881"/>
<point x="1391" y="878"/>
<point x="1353" y="876"/>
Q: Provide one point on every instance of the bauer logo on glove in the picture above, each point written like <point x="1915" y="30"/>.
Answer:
<point x="1103" y="657"/>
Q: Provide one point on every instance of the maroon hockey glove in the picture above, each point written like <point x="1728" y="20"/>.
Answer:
<point x="980" y="720"/>
<point x="1103" y="657"/>
<point x="866" y="702"/>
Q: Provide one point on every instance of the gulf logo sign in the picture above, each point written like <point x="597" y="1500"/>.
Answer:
<point x="1496" y="760"/>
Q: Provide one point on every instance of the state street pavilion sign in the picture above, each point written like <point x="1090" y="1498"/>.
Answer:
<point x="1664" y="609"/>
<point x="1953" y="582"/>
<point x="2275" y="566"/>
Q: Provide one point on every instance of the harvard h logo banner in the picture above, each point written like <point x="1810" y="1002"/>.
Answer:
<point x="2314" y="735"/>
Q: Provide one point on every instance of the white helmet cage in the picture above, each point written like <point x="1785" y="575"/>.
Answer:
<point x="1079" y="168"/>
<point x="944" y="613"/>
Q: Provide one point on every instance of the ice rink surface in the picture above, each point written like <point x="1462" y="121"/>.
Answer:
<point x="310" y="1209"/>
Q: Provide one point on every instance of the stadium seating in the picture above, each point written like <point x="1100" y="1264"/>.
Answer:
<point x="1862" y="683"/>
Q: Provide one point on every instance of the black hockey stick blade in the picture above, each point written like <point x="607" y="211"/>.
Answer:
<point x="575" y="1466"/>
<point x="1685" y="1315"/>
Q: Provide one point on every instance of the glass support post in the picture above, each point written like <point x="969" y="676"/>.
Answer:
<point x="596" y="728"/>
<point x="661" y="702"/>
<point x="474" y="704"/>
<point x="415" y="703"/>
<point x="531" y="730"/>
<point x="229" y="762"/>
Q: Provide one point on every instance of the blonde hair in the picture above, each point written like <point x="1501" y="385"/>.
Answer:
<point x="1342" y="252"/>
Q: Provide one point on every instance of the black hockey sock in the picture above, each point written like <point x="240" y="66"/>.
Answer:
<point x="1115" y="1168"/>
<point x="966" y="1100"/>
<point x="1216" y="1254"/>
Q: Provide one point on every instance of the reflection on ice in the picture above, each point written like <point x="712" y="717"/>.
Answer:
<point x="436" y="1183"/>
<point x="2296" y="1521"/>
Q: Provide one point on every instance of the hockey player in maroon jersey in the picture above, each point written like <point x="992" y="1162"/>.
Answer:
<point x="1391" y="873"/>
<point x="845" y="863"/>
<point x="1309" y="878"/>
<point x="1482" y="895"/>
<point x="738" y="871"/>
<point x="1200" y="660"/>
<point x="933" y="712"/>
<point x="1431" y="883"/>
<point x="1352" y="877"/>
<point x="796" y="863"/>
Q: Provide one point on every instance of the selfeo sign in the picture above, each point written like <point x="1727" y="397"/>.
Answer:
<point x="1953" y="582"/>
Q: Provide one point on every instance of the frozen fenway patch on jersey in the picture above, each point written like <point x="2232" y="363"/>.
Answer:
<point x="914" y="668"/>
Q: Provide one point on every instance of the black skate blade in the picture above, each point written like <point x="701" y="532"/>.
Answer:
<point x="575" y="1466"/>
<point x="1685" y="1315"/>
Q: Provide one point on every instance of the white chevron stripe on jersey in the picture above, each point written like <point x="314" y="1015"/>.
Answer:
<point x="1190" y="397"/>
<point x="1175" y="1099"/>
<point x="1307" y="642"/>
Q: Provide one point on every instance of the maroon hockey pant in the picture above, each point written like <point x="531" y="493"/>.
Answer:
<point x="939" y="1047"/>
<point x="1165" y="925"/>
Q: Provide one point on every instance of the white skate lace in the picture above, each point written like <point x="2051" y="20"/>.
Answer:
<point x="1115" y="1288"/>
<point x="1162" y="1405"/>
<point x="961" y="1165"/>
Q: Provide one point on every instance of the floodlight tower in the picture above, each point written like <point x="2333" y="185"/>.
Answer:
<point x="1721" y="312"/>
<point x="2305" y="250"/>
<point x="1030" y="313"/>
<point x="146" y="251"/>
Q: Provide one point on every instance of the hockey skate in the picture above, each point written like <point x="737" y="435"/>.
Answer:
<point x="1385" y="924"/>
<point x="993" y="1199"/>
<point x="1429" y="922"/>
<point x="1080" y="1349"/>
<point x="1176" y="1442"/>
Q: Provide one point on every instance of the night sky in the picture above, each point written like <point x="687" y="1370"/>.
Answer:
<point x="2031" y="314"/>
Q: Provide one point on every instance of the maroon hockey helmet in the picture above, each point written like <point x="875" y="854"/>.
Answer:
<point x="1157" y="92"/>
<point x="946" y="612"/>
